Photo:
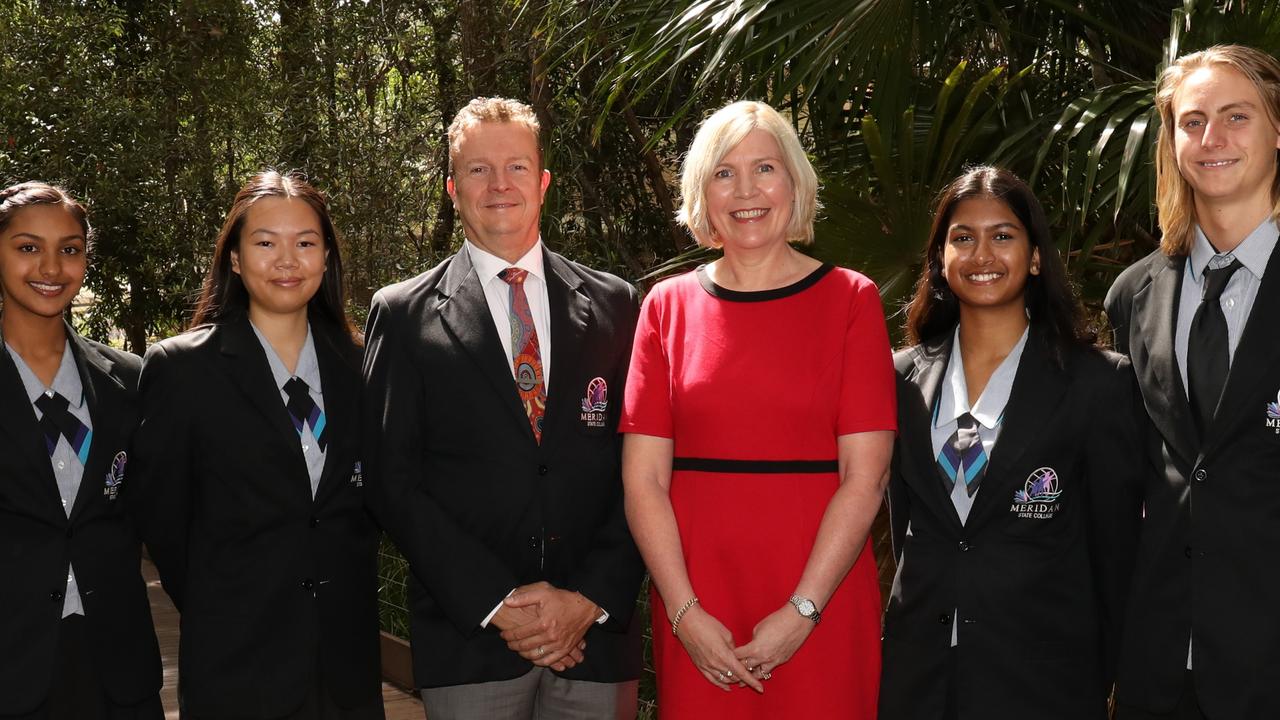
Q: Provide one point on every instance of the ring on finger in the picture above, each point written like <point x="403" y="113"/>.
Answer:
<point x="720" y="676"/>
<point x="728" y="673"/>
<point x="764" y="675"/>
<point x="541" y="651"/>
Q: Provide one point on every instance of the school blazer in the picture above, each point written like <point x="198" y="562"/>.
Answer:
<point x="38" y="541"/>
<point x="272" y="585"/>
<point x="1213" y="579"/>
<point x="1039" y="572"/>
<point x="476" y="505"/>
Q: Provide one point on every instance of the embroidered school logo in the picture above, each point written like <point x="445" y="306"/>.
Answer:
<point x="1038" y="498"/>
<point x="1273" y="414"/>
<point x="596" y="404"/>
<point x="357" y="475"/>
<point x="115" y="476"/>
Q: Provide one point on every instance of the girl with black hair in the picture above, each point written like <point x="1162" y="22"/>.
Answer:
<point x="249" y="491"/>
<point x="76" y="639"/>
<point x="1015" y="484"/>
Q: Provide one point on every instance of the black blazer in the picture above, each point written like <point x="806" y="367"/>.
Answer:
<point x="474" y="503"/>
<point x="271" y="584"/>
<point x="1040" y="586"/>
<point x="38" y="541"/>
<point x="1213" y="579"/>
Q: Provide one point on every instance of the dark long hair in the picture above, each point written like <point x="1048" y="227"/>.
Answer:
<point x="1051" y="303"/>
<point x="224" y="296"/>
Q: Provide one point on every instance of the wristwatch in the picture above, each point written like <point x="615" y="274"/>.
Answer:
<point x="806" y="608"/>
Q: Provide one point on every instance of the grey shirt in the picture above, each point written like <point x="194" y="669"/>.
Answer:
<point x="309" y="371"/>
<point x="1237" y="298"/>
<point x="67" y="466"/>
<point x="988" y="412"/>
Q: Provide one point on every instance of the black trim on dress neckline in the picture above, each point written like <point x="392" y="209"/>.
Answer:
<point x="724" y="293"/>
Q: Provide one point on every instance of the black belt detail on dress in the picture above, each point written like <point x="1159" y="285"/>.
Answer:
<point x="721" y="465"/>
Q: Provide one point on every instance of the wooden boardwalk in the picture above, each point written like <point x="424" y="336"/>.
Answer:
<point x="399" y="705"/>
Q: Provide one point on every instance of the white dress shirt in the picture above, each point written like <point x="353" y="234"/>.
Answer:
<point x="498" y="293"/>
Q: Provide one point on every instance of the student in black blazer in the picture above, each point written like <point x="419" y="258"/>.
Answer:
<point x="250" y="492"/>
<point x="1012" y="573"/>
<point x="76" y="640"/>
<point x="1202" y="639"/>
<point x="505" y="494"/>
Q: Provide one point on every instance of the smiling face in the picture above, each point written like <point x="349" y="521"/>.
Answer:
<point x="281" y="255"/>
<point x="497" y="187"/>
<point x="987" y="255"/>
<point x="1224" y="142"/>
<point x="42" y="262"/>
<point x="750" y="195"/>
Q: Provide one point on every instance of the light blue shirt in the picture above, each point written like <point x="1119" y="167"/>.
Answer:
<point x="67" y="468"/>
<point x="953" y="401"/>
<point x="308" y="371"/>
<point x="1237" y="298"/>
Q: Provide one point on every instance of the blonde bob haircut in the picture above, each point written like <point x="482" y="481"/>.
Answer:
<point x="1175" y="198"/>
<point x="493" y="110"/>
<point x="719" y="134"/>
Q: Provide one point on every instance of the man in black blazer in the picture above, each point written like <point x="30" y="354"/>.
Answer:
<point x="40" y="540"/>
<point x="492" y="385"/>
<point x="1201" y="321"/>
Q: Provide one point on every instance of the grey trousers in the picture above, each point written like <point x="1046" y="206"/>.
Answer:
<point x="539" y="694"/>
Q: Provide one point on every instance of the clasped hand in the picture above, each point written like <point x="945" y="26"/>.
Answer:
<point x="546" y="625"/>
<point x="710" y="646"/>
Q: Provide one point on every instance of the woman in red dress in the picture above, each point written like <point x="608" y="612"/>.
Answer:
<point x="759" y="415"/>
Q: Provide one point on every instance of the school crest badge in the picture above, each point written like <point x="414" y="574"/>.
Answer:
<point x="1038" y="498"/>
<point x="115" y="476"/>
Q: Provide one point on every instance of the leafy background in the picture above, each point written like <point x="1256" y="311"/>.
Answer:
<point x="155" y="112"/>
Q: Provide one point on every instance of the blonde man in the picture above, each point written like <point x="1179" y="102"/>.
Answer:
<point x="1200" y="320"/>
<point x="495" y="471"/>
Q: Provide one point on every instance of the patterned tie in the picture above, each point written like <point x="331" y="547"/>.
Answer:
<point x="1208" y="351"/>
<point x="304" y="411"/>
<point x="963" y="449"/>
<point x="57" y="420"/>
<point x="527" y="359"/>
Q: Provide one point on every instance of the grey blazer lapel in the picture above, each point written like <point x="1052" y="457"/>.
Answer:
<point x="1154" y="361"/>
<point x="465" y="313"/>
<point x="919" y="469"/>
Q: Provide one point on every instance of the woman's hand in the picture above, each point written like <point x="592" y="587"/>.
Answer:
<point x="710" y="647"/>
<point x="774" y="640"/>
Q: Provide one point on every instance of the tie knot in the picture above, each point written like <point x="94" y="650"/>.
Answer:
<point x="296" y="387"/>
<point x="51" y="402"/>
<point x="966" y="422"/>
<point x="513" y="276"/>
<point x="1215" y="280"/>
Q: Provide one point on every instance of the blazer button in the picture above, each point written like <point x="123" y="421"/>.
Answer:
<point x="308" y="584"/>
<point x="543" y="470"/>
<point x="965" y="546"/>
<point x="553" y="538"/>
<point x="314" y="522"/>
<point x="533" y="542"/>
<point x="1187" y="551"/>
<point x="944" y="618"/>
<point x="1201" y="475"/>
<point x="56" y="596"/>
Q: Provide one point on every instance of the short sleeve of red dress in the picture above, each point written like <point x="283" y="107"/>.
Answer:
<point x="867" y="398"/>
<point x="646" y="407"/>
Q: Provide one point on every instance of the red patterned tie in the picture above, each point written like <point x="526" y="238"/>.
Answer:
<point x="527" y="359"/>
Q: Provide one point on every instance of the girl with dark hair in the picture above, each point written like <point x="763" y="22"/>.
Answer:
<point x="76" y="639"/>
<point x="1014" y="490"/>
<point x="249" y="491"/>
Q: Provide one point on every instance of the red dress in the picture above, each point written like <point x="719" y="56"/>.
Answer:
<point x="763" y="377"/>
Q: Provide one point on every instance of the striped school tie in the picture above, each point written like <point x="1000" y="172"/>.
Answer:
<point x="304" y="411"/>
<point x="963" y="452"/>
<point x="56" y="420"/>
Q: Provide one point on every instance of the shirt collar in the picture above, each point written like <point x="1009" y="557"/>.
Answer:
<point x="488" y="265"/>
<point x="953" y="400"/>
<point x="66" y="382"/>
<point x="308" y="367"/>
<point x="1253" y="252"/>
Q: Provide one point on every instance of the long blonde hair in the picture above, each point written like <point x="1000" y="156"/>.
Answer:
<point x="1175" y="198"/>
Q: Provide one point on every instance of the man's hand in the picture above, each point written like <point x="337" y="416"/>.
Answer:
<point x="555" y="638"/>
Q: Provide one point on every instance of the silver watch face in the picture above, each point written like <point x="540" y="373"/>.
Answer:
<point x="806" y="607"/>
